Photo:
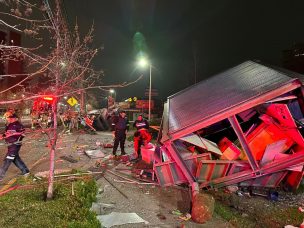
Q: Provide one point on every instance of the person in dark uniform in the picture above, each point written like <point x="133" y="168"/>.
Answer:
<point x="13" y="136"/>
<point x="120" y="126"/>
<point x="141" y="123"/>
<point x="142" y="135"/>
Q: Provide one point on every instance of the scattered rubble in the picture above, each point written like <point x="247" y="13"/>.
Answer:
<point x="45" y="174"/>
<point x="69" y="159"/>
<point x="94" y="153"/>
<point x="115" y="219"/>
<point x="101" y="208"/>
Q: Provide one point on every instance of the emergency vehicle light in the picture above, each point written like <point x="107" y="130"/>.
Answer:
<point x="48" y="98"/>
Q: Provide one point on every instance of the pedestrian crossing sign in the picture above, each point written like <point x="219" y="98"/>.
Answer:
<point x="72" y="101"/>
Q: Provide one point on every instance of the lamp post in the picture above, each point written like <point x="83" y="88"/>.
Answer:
<point x="143" y="63"/>
<point x="111" y="98"/>
<point x="112" y="91"/>
<point x="150" y="88"/>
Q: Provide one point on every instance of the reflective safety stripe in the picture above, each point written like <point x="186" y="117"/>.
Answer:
<point x="140" y="124"/>
<point x="10" y="157"/>
<point x="18" y="143"/>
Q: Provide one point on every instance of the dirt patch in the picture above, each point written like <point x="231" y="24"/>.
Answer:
<point x="152" y="203"/>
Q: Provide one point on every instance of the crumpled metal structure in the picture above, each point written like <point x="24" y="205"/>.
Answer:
<point x="213" y="99"/>
<point x="252" y="112"/>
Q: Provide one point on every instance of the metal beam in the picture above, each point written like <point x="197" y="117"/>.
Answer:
<point x="239" y="132"/>
<point x="296" y="159"/>
<point x="299" y="94"/>
<point x="180" y="163"/>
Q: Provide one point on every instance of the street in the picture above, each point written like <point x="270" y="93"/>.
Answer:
<point x="181" y="113"/>
<point x="151" y="202"/>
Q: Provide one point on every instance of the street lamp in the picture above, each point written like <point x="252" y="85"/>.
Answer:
<point x="143" y="62"/>
<point x="112" y="91"/>
<point x="113" y="94"/>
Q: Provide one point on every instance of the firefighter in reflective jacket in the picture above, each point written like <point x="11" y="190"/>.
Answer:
<point x="120" y="126"/>
<point x="13" y="136"/>
<point x="142" y="135"/>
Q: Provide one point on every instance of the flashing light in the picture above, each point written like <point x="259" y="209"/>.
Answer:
<point x="48" y="98"/>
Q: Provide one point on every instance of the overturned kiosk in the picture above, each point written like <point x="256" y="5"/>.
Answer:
<point x="241" y="127"/>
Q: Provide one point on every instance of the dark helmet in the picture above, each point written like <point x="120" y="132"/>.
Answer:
<point x="12" y="116"/>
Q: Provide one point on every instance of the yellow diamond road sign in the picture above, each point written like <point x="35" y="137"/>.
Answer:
<point x="72" y="101"/>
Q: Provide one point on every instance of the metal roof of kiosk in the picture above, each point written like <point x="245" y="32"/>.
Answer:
<point x="223" y="95"/>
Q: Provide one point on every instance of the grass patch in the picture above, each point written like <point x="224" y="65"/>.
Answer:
<point x="232" y="216"/>
<point x="255" y="211"/>
<point x="279" y="217"/>
<point x="130" y="138"/>
<point x="28" y="207"/>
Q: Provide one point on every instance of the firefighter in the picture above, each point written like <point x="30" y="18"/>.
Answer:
<point x="9" y="112"/>
<point x="120" y="126"/>
<point x="142" y="135"/>
<point x="13" y="136"/>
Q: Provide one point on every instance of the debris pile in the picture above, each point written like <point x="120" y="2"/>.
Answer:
<point x="243" y="127"/>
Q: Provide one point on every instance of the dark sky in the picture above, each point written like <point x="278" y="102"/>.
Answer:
<point x="218" y="34"/>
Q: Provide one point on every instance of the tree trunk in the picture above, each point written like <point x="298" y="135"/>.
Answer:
<point x="52" y="153"/>
<point x="82" y="101"/>
<point x="53" y="138"/>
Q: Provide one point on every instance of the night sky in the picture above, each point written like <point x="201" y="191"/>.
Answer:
<point x="217" y="34"/>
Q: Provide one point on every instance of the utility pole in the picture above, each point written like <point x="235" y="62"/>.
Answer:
<point x="150" y="88"/>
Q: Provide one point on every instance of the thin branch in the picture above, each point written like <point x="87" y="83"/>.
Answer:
<point x="74" y="91"/>
<point x="83" y="71"/>
<point x="105" y="87"/>
<point x="33" y="74"/>
<point x="12" y="75"/>
<point x="19" y="47"/>
<point x="10" y="26"/>
<point x="25" y="19"/>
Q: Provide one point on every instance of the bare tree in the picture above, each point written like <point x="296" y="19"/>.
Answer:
<point x="57" y="51"/>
